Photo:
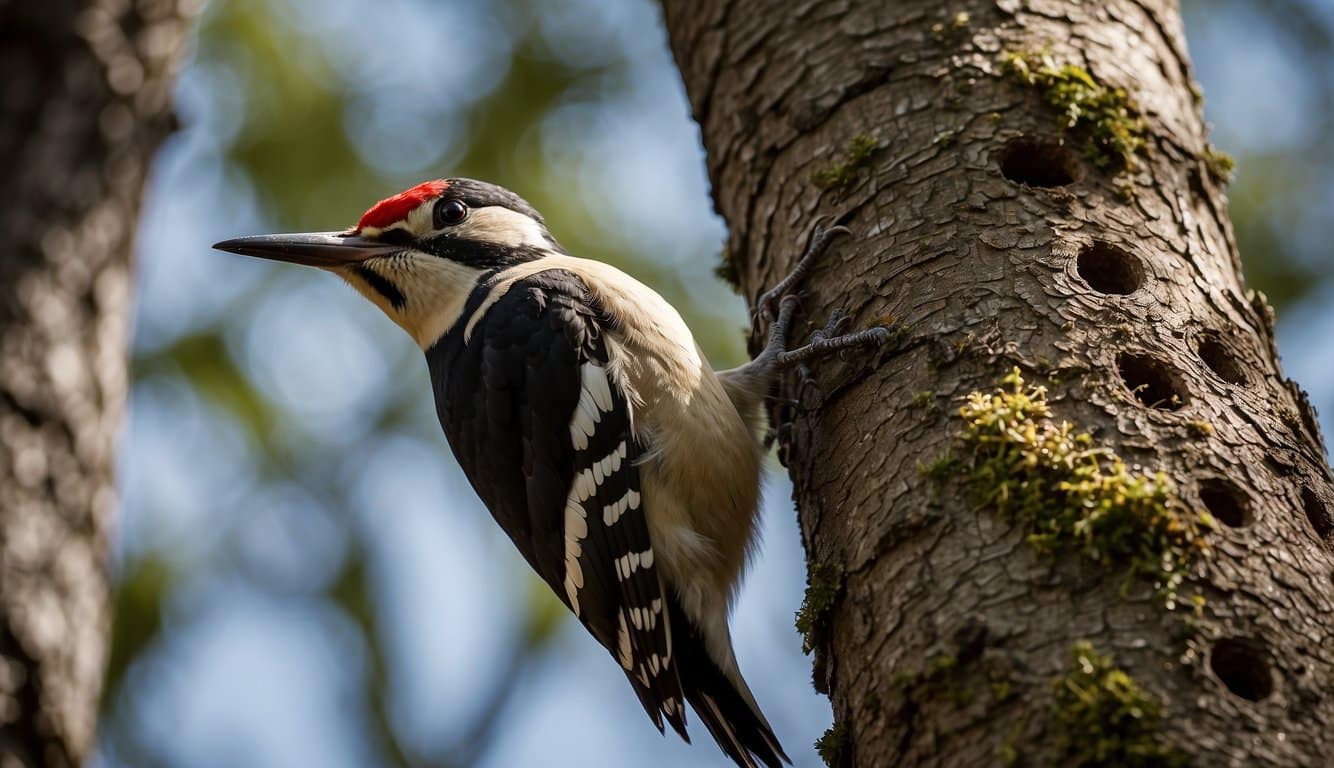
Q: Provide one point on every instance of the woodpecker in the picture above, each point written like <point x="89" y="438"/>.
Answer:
<point x="625" y="470"/>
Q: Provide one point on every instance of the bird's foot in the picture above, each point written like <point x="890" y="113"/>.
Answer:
<point x="816" y="247"/>
<point x="823" y="342"/>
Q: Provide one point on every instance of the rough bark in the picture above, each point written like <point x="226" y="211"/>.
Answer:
<point x="946" y="629"/>
<point x="84" y="103"/>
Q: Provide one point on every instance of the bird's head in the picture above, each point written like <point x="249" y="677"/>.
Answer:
<point x="418" y="255"/>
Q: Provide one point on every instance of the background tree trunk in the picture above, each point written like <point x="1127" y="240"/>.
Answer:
<point x="84" y="104"/>
<point x="994" y="234"/>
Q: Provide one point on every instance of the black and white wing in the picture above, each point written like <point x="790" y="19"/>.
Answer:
<point x="546" y="437"/>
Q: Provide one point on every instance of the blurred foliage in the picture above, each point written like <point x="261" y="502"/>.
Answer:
<point x="1281" y="203"/>
<point x="137" y="615"/>
<point x="302" y="84"/>
<point x="202" y="359"/>
<point x="289" y="144"/>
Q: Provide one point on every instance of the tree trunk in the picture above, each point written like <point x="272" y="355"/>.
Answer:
<point x="84" y="103"/>
<point x="985" y="595"/>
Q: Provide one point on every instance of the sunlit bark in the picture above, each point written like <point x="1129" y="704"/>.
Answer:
<point x="1007" y="215"/>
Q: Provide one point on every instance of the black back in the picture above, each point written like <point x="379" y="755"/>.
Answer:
<point x="506" y="397"/>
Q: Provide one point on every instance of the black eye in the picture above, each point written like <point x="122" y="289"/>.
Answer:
<point x="449" y="212"/>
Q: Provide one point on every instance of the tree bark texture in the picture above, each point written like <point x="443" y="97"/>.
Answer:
<point x="84" y="104"/>
<point x="989" y="240"/>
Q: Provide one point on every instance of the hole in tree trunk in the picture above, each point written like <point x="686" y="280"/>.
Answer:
<point x="1241" y="666"/>
<point x="1318" y="514"/>
<point x="1108" y="269"/>
<point x="1040" y="163"/>
<point x="1151" y="382"/>
<point x="1226" y="502"/>
<point x="1221" y="361"/>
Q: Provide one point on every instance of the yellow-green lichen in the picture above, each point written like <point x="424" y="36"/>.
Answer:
<point x="963" y="344"/>
<point x="823" y="586"/>
<point x="1220" y="164"/>
<point x="923" y="399"/>
<point x="1105" y="118"/>
<point x="832" y="745"/>
<point x="1072" y="494"/>
<point x="940" y="469"/>
<point x="939" y="664"/>
<point x="857" y="156"/>
<point x="1102" y="718"/>
<point x="957" y="23"/>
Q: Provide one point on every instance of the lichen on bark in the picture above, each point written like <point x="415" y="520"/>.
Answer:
<point x="1069" y="492"/>
<point x="857" y="156"/>
<point x="1101" y="717"/>
<point x="1106" y="119"/>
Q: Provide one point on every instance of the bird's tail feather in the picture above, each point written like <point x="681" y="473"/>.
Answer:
<point x="730" y="714"/>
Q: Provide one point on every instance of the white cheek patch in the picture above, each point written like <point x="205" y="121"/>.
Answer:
<point x="434" y="292"/>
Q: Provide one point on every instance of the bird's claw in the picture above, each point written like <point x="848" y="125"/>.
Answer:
<point x="837" y="319"/>
<point x="818" y="243"/>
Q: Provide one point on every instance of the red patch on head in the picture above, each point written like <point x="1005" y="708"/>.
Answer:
<point x="393" y="209"/>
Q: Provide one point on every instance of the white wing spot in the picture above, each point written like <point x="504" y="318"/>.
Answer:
<point x="586" y="482"/>
<point x="594" y="400"/>
<point x="595" y="384"/>
<point x="612" y="512"/>
<point x="628" y="563"/>
<point x="576" y="528"/>
<point x="643" y="618"/>
<point x="584" y="486"/>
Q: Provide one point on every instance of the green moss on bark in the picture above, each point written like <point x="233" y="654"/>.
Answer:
<point x="1070" y="492"/>
<point x="833" y="745"/>
<point x="1102" y="718"/>
<point x="857" y="156"/>
<point x="1220" y="164"/>
<point x="923" y="399"/>
<point x="823" y="586"/>
<point x="1105" y="118"/>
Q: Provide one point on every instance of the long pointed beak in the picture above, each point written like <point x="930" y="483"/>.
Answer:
<point x="314" y="249"/>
